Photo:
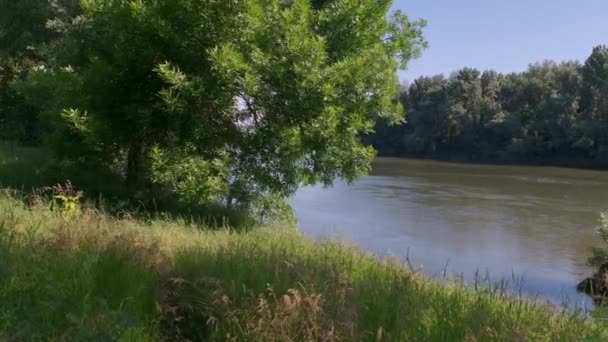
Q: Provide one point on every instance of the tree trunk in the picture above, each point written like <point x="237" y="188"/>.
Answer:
<point x="135" y="158"/>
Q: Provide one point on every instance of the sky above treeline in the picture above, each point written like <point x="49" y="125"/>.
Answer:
<point x="504" y="35"/>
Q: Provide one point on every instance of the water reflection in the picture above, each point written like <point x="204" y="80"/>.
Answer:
<point x="531" y="222"/>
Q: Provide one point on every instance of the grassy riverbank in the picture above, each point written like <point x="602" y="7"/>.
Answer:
<point x="89" y="276"/>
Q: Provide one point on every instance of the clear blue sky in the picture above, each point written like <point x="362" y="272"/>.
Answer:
<point x="505" y="35"/>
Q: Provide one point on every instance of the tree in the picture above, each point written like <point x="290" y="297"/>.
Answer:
<point x="25" y="35"/>
<point x="226" y="99"/>
<point x="552" y="111"/>
<point x="465" y="110"/>
<point x="428" y="115"/>
<point x="594" y="101"/>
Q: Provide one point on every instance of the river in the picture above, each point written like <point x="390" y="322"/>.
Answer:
<point x="532" y="224"/>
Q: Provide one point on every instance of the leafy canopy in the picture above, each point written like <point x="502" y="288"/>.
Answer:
<point x="226" y="99"/>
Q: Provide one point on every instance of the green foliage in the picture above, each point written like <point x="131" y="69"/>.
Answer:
<point x="599" y="259"/>
<point x="27" y="30"/>
<point x="223" y="100"/>
<point x="65" y="199"/>
<point x="272" y="209"/>
<point x="196" y="180"/>
<point x="18" y="122"/>
<point x="93" y="277"/>
<point x="549" y="112"/>
<point x="30" y="170"/>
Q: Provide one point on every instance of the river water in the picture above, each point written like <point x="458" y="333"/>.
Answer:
<point x="532" y="224"/>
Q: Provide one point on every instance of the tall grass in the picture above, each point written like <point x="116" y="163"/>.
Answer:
<point x="95" y="277"/>
<point x="28" y="169"/>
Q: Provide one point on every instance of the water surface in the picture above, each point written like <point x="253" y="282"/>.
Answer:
<point x="535" y="223"/>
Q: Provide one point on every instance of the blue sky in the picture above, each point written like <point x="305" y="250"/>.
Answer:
<point x="505" y="35"/>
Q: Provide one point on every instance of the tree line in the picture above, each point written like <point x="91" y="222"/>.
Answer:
<point x="550" y="113"/>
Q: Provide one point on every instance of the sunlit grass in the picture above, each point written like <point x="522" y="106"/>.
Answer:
<point x="93" y="277"/>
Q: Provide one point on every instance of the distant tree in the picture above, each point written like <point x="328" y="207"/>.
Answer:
<point x="465" y="110"/>
<point x="428" y="122"/>
<point x="552" y="110"/>
<point x="227" y="99"/>
<point x="490" y="116"/>
<point x="594" y="101"/>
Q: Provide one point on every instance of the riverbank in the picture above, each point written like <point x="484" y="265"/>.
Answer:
<point x="89" y="276"/>
<point x="571" y="162"/>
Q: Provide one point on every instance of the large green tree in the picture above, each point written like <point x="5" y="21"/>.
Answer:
<point x="226" y="99"/>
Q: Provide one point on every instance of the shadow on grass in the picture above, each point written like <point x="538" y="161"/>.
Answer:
<point x="27" y="170"/>
<point x="22" y="168"/>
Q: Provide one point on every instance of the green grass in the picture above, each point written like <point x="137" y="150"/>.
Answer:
<point x="95" y="277"/>
<point x="29" y="169"/>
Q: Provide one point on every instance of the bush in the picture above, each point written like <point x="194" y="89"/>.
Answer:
<point x="600" y="255"/>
